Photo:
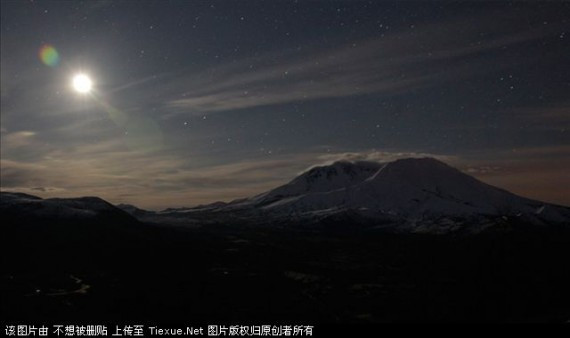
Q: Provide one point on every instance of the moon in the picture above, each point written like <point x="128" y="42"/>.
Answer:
<point x="82" y="83"/>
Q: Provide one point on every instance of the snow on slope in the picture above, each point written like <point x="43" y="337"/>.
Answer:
<point x="318" y="180"/>
<point x="412" y="189"/>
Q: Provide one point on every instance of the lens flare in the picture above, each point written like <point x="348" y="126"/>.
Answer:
<point x="49" y="55"/>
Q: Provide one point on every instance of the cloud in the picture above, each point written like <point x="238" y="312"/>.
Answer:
<point x="482" y="170"/>
<point x="34" y="190"/>
<point x="343" y="72"/>
<point x="535" y="172"/>
<point x="386" y="65"/>
<point x="379" y="156"/>
<point x="17" y="139"/>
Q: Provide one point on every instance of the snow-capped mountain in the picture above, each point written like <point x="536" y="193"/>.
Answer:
<point x="407" y="195"/>
<point x="419" y="194"/>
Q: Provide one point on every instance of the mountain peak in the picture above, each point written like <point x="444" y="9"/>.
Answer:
<point x="410" y="194"/>
<point x="419" y="161"/>
<point x="341" y="168"/>
<point x="338" y="175"/>
<point x="354" y="168"/>
<point x="406" y="189"/>
<point x="417" y="165"/>
<point x="421" y="169"/>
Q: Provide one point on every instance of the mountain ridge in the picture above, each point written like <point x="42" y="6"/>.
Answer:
<point x="21" y="207"/>
<point x="408" y="193"/>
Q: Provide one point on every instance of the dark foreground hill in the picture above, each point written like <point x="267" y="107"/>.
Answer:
<point x="116" y="269"/>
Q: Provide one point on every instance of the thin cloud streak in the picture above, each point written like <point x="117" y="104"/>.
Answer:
<point x="388" y="66"/>
<point x="536" y="172"/>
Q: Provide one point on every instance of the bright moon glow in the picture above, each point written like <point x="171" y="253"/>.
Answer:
<point x="82" y="83"/>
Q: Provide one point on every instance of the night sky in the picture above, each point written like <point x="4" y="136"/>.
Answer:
<point x="195" y="102"/>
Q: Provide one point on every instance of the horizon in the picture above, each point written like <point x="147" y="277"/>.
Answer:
<point x="168" y="104"/>
<point x="322" y="165"/>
